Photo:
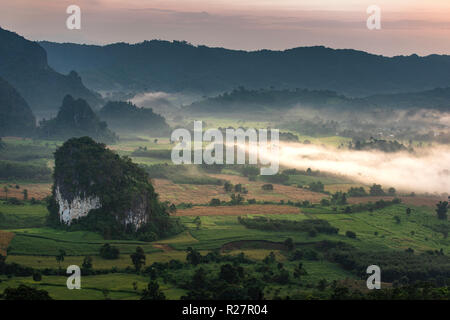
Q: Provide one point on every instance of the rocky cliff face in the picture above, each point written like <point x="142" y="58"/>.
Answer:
<point x="73" y="209"/>
<point x="95" y="189"/>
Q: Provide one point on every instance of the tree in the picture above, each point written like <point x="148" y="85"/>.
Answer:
<point x="153" y="292"/>
<point x="289" y="244"/>
<point x="228" y="187"/>
<point x="109" y="252"/>
<point x="193" y="256"/>
<point x="376" y="190"/>
<point x="138" y="258"/>
<point x="230" y="273"/>
<point x="37" y="276"/>
<point x="25" y="194"/>
<point x="392" y="191"/>
<point x="24" y="292"/>
<point x="87" y="263"/>
<point x="350" y="234"/>
<point x="60" y="257"/>
<point x="441" y="210"/>
<point x="299" y="271"/>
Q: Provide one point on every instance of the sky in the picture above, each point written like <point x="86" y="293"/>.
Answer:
<point x="407" y="26"/>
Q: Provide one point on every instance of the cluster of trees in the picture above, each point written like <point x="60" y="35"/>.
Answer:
<point x="14" y="170"/>
<point x="75" y="118"/>
<point x="429" y="266"/>
<point x="377" y="144"/>
<point x="122" y="115"/>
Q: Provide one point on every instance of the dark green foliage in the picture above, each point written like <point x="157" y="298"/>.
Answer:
<point x="37" y="276"/>
<point x="267" y="187"/>
<point x="394" y="264"/>
<point x="376" y="190"/>
<point x="356" y="192"/>
<point x="316" y="186"/>
<point x="14" y="269"/>
<point x="376" y="144"/>
<point x="214" y="202"/>
<point x="249" y="170"/>
<point x="13" y="170"/>
<point x="262" y="223"/>
<point x="339" y="198"/>
<point x="442" y="209"/>
<point x="87" y="263"/>
<point x="289" y="244"/>
<point x="76" y="119"/>
<point x="193" y="256"/>
<point x="230" y="273"/>
<point x="24" y="292"/>
<point x="138" y="259"/>
<point x="86" y="168"/>
<point x="16" y="118"/>
<point x="279" y="178"/>
<point x="153" y="292"/>
<point x="350" y="234"/>
<point x="109" y="252"/>
<point x="122" y="115"/>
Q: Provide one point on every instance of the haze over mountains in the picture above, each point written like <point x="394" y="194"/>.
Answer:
<point x="16" y="117"/>
<point x="178" y="66"/>
<point x="23" y="64"/>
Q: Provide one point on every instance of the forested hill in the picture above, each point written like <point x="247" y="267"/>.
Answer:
<point x="126" y="116"/>
<point x="243" y="99"/>
<point x="76" y="119"/>
<point x="176" y="66"/>
<point x="16" y="117"/>
<point x="23" y="64"/>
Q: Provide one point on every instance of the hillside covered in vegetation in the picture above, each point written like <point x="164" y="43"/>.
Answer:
<point x="157" y="65"/>
<point x="114" y="194"/>
<point x="126" y="116"/>
<point x="76" y="119"/>
<point x="16" y="118"/>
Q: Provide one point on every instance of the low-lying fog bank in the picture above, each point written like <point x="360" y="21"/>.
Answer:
<point x="424" y="171"/>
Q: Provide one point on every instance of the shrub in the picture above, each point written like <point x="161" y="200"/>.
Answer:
<point x="350" y="234"/>
<point x="109" y="252"/>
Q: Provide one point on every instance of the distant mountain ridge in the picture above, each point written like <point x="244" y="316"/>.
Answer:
<point x="16" y="117"/>
<point x="177" y="66"/>
<point x="245" y="100"/>
<point x="23" y="64"/>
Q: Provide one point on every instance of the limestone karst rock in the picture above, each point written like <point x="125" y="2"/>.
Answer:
<point x="96" y="189"/>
